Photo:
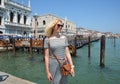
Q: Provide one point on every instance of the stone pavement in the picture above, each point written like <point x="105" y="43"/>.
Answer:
<point x="10" y="79"/>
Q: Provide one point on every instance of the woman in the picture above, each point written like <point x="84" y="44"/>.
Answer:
<point x="58" y="45"/>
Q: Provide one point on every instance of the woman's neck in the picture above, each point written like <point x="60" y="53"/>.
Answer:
<point x="57" y="35"/>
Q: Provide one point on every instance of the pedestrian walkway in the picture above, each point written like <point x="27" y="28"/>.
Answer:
<point x="10" y="79"/>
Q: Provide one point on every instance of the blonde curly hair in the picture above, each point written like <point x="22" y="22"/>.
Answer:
<point x="50" y="27"/>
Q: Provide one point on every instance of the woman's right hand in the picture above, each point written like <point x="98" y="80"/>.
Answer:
<point x="49" y="76"/>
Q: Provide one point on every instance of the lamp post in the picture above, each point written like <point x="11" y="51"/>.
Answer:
<point x="35" y="31"/>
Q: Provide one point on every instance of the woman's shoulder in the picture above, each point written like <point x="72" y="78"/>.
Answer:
<point x="62" y="36"/>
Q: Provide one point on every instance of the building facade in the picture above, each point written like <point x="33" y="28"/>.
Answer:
<point x="39" y="24"/>
<point x="14" y="18"/>
<point x="85" y="32"/>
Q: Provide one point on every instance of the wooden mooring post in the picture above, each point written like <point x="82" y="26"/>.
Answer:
<point x="14" y="51"/>
<point x="114" y="41"/>
<point x="102" y="51"/>
<point x="7" y="45"/>
<point x="31" y="57"/>
<point x="75" y="42"/>
<point x="89" y="46"/>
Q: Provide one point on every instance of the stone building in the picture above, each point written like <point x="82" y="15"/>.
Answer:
<point x="39" y="24"/>
<point x="85" y="32"/>
<point x="14" y="18"/>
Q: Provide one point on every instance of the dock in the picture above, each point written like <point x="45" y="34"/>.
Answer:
<point x="36" y="45"/>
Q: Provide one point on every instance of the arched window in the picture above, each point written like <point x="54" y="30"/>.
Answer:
<point x="66" y="26"/>
<point x="0" y="2"/>
<point x="11" y="16"/>
<point x="44" y="23"/>
<point x="25" y="33"/>
<point x="18" y="18"/>
<point x="0" y="20"/>
<point x="25" y="18"/>
<point x="63" y="24"/>
<point x="37" y="23"/>
<point x="1" y="32"/>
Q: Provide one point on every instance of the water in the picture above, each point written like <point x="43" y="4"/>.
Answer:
<point x="87" y="70"/>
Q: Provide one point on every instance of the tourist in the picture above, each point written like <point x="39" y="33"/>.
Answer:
<point x="56" y="44"/>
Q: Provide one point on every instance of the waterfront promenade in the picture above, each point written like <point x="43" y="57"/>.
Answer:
<point x="13" y="80"/>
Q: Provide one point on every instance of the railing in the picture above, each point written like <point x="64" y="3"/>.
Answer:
<point x="2" y="6"/>
<point x="16" y="24"/>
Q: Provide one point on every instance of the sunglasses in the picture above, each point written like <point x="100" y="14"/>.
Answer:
<point x="59" y="25"/>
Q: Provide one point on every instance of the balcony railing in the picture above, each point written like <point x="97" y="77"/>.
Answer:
<point x="2" y="6"/>
<point x="16" y="24"/>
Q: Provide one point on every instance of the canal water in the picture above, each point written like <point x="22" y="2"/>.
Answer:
<point x="87" y="69"/>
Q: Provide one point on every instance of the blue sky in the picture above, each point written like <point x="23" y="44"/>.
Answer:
<point x="99" y="15"/>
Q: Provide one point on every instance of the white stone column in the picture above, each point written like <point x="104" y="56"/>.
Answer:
<point x="2" y="3"/>
<point x="21" y="19"/>
<point x="2" y="22"/>
<point x="15" y="17"/>
<point x="8" y="16"/>
<point x="28" y="20"/>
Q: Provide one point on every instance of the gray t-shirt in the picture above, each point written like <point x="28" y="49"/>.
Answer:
<point x="57" y="46"/>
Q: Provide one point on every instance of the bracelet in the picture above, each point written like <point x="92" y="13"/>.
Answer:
<point x="72" y="66"/>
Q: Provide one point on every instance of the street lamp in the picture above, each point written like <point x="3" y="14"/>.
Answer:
<point x="35" y="31"/>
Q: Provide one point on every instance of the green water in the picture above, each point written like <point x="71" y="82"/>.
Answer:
<point x="87" y="70"/>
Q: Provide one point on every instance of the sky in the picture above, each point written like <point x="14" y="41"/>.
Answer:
<point x="98" y="15"/>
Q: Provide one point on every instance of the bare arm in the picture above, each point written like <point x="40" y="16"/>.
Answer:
<point x="69" y="56"/>
<point x="47" y="60"/>
<point x="47" y="64"/>
<point x="70" y="61"/>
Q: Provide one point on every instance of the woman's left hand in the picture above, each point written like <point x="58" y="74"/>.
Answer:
<point x="72" y="72"/>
